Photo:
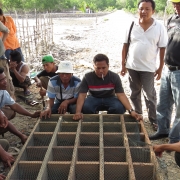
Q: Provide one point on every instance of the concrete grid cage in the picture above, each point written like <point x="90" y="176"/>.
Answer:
<point x="102" y="146"/>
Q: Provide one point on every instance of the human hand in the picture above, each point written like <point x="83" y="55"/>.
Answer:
<point x="36" y="114"/>
<point x="137" y="116"/>
<point x="123" y="71"/>
<point x="12" y="66"/>
<point x="2" y="177"/>
<point x="158" y="150"/>
<point x="46" y="113"/>
<point x="39" y="84"/>
<point x="3" y="120"/>
<point x="42" y="92"/>
<point x="7" y="158"/>
<point x="78" y="116"/>
<point x="157" y="74"/>
<point x="63" y="107"/>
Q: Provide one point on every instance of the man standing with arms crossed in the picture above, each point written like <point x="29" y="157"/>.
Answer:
<point x="170" y="82"/>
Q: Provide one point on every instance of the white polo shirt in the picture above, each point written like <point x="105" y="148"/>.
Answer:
<point x="144" y="46"/>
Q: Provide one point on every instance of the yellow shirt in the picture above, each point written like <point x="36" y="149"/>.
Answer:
<point x="11" y="40"/>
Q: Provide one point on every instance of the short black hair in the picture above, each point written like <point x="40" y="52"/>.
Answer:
<point x="1" y="12"/>
<point x="15" y="56"/>
<point x="1" y="70"/>
<point x="151" y="1"/>
<point x="101" y="57"/>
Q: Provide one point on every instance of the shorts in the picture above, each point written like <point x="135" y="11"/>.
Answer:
<point x="10" y="87"/>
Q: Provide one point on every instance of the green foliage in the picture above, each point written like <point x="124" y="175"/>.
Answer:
<point x="94" y="5"/>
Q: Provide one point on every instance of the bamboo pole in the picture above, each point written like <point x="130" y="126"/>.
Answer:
<point x="27" y="28"/>
<point x="24" y="39"/>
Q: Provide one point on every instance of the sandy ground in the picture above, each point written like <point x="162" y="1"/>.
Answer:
<point x="79" y="40"/>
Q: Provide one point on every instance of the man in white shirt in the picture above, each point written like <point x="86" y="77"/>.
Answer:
<point x="147" y="37"/>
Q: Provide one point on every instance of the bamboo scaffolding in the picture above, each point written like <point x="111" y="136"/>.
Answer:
<point x="35" y="34"/>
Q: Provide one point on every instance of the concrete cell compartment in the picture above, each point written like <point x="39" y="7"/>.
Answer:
<point x="66" y="139"/>
<point x="68" y="127"/>
<point x="26" y="170"/>
<point x="58" y="171"/>
<point x="99" y="147"/>
<point x="90" y="127"/>
<point x="89" y="171"/>
<point x="62" y="153"/>
<point x="89" y="139"/>
<point x="116" y="171"/>
<point x="33" y="153"/>
<point x="111" y="118"/>
<point x="112" y="127"/>
<point x="113" y="154"/>
<point x="40" y="139"/>
<point x="133" y="127"/>
<point x="46" y="127"/>
<point x="144" y="171"/>
<point x="140" y="154"/>
<point x="113" y="139"/>
<point x="136" y="139"/>
<point x="88" y="154"/>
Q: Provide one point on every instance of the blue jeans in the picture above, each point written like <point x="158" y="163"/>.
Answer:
<point x="8" y="51"/>
<point x="71" y="108"/>
<point x="168" y="96"/>
<point x="110" y="104"/>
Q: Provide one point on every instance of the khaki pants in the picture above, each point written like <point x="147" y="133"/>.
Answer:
<point x="5" y="144"/>
<point x="10" y="86"/>
<point x="8" y="112"/>
<point x="44" y="81"/>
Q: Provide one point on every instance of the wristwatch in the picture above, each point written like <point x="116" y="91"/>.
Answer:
<point x="130" y="111"/>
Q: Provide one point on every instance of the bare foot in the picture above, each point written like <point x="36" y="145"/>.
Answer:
<point x="23" y="138"/>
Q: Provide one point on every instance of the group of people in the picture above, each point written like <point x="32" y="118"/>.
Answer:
<point x="13" y="72"/>
<point x="101" y="89"/>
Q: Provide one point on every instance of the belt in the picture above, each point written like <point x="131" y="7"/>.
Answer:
<point x="173" y="68"/>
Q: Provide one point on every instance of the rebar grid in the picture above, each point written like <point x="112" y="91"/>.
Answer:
<point x="98" y="147"/>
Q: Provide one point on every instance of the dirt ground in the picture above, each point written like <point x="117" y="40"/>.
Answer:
<point x="79" y="40"/>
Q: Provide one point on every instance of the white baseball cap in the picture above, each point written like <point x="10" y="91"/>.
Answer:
<point x="65" y="67"/>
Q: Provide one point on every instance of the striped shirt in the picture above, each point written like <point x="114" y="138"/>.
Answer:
<point x="100" y="88"/>
<point x="53" y="89"/>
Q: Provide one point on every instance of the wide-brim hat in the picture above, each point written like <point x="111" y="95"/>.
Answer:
<point x="65" y="67"/>
<point x="175" y="1"/>
<point x="47" y="59"/>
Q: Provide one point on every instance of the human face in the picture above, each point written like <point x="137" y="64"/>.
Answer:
<point x="48" y="67"/>
<point x="145" y="11"/>
<point x="101" y="68"/>
<point x="3" y="81"/>
<point x="177" y="7"/>
<point x="65" y="78"/>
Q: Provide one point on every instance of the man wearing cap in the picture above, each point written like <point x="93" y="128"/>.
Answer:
<point x="43" y="77"/>
<point x="169" y="94"/>
<point x="62" y="91"/>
